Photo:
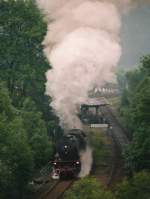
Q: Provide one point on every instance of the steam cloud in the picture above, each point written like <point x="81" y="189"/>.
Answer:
<point x="83" y="45"/>
<point x="86" y="162"/>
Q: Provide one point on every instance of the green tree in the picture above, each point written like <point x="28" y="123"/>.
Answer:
<point x="137" y="187"/>
<point x="5" y="102"/>
<point x="24" y="109"/>
<point x="35" y="127"/>
<point x="138" y="152"/>
<point x="145" y="65"/>
<point x="23" y="65"/>
<point x="135" y="109"/>
<point x="88" y="188"/>
<point x="42" y="149"/>
<point x="16" y="156"/>
<point x="140" y="105"/>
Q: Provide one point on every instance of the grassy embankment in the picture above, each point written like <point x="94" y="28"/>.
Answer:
<point x="101" y="145"/>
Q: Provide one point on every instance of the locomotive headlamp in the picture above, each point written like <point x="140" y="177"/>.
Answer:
<point x="77" y="162"/>
<point x="65" y="146"/>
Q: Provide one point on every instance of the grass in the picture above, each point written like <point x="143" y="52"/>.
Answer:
<point x="101" y="147"/>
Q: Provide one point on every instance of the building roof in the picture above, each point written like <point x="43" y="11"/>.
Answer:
<point x="94" y="102"/>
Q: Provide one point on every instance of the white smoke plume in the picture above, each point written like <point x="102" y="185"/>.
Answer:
<point x="83" y="46"/>
<point x="86" y="162"/>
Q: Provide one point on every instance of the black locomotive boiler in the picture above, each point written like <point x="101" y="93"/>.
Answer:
<point x="67" y="157"/>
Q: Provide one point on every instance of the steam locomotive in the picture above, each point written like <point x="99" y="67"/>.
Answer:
<point x="67" y="157"/>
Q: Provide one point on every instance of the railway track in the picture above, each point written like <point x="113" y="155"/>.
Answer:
<point x="120" y="141"/>
<point x="57" y="191"/>
<point x="116" y="131"/>
<point x="116" y="173"/>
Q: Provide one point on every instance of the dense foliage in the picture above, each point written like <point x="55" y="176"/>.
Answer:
<point x="88" y="188"/>
<point x="137" y="187"/>
<point x="26" y="120"/>
<point x="135" y="109"/>
<point x="16" y="159"/>
<point x="22" y="64"/>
